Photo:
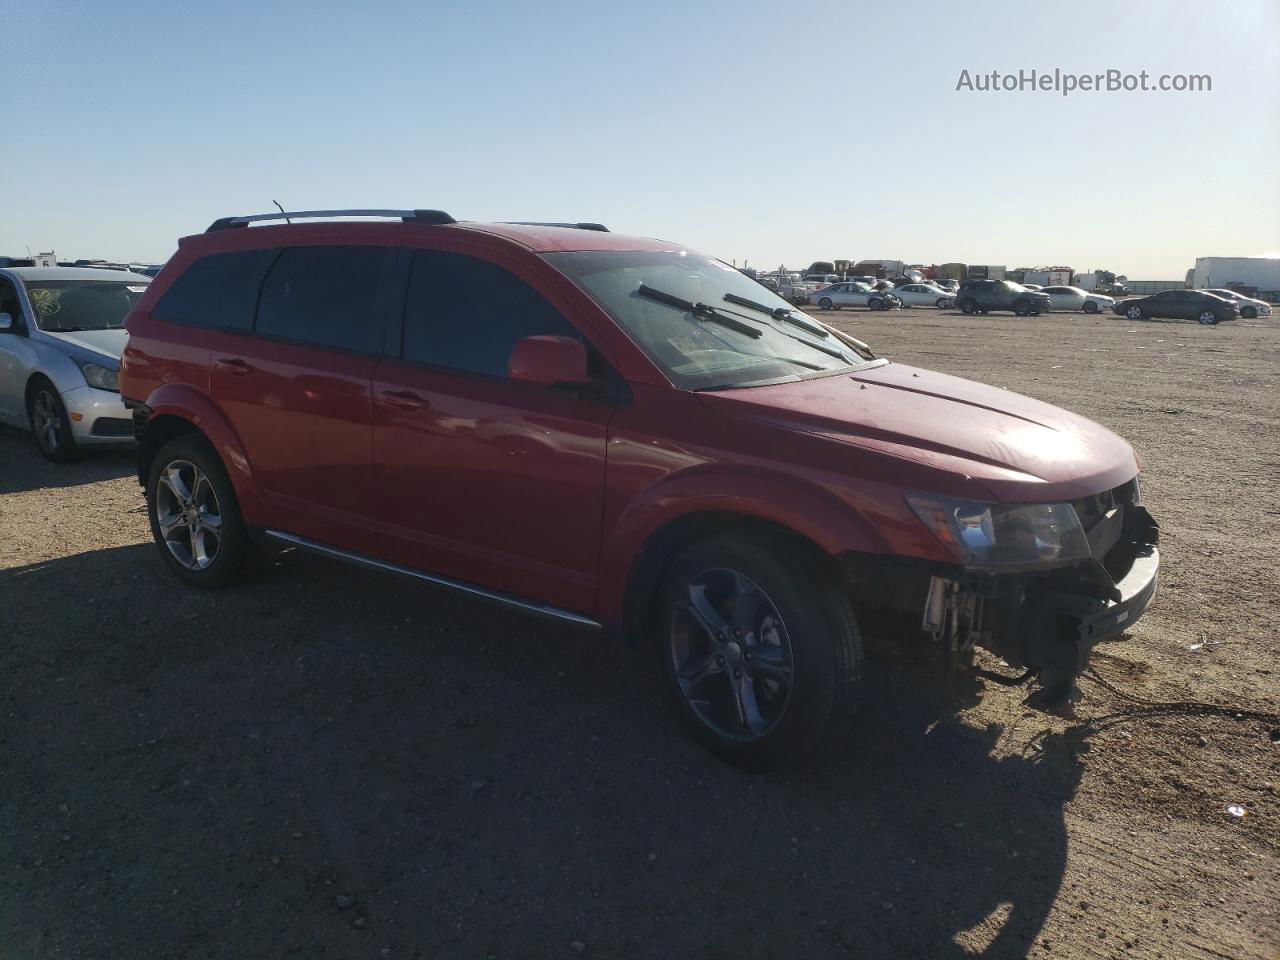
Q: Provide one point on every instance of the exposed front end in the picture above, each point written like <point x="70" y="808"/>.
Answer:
<point x="1047" y="621"/>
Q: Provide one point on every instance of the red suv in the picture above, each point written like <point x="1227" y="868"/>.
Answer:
<point x="627" y="435"/>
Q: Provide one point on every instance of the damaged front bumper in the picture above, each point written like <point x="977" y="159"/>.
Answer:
<point x="1048" y="622"/>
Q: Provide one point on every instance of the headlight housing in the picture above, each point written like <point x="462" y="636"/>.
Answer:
<point x="103" y="378"/>
<point x="1004" y="536"/>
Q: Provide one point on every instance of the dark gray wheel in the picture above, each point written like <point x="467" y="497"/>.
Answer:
<point x="1208" y="318"/>
<point x="825" y="303"/>
<point x="942" y="303"/>
<point x="1134" y="312"/>
<point x="1090" y="307"/>
<point x="1021" y="308"/>
<point x="968" y="305"/>
<point x="1249" y="313"/>
<point x="195" y="518"/>
<point x="50" y="425"/>
<point x="760" y="648"/>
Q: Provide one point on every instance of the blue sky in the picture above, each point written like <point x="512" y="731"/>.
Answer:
<point x="760" y="132"/>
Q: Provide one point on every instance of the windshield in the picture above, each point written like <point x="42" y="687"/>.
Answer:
<point x="63" y="306"/>
<point x="704" y="323"/>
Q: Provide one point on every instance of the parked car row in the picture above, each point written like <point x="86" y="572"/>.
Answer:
<point x="701" y="468"/>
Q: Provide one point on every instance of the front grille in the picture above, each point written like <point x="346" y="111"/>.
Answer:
<point x="112" y="427"/>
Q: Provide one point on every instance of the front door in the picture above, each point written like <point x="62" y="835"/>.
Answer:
<point x="296" y="388"/>
<point x="479" y="479"/>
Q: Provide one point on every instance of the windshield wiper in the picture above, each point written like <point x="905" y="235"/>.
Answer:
<point x="700" y="311"/>
<point x="781" y="313"/>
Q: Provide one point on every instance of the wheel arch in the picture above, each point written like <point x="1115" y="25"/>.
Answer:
<point x="175" y="410"/>
<point x="664" y="545"/>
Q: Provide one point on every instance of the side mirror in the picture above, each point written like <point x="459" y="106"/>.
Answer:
<point x="6" y="321"/>
<point x="548" y="361"/>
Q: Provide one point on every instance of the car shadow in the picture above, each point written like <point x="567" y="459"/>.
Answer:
<point x="22" y="467"/>
<point x="327" y="761"/>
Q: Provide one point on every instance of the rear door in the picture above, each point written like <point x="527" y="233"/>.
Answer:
<point x="480" y="479"/>
<point x="296" y="387"/>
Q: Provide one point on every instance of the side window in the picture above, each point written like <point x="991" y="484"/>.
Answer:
<point x="466" y="314"/>
<point x="325" y="297"/>
<point x="217" y="291"/>
<point x="9" y="304"/>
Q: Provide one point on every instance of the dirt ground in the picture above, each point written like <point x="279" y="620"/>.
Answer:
<point x="329" y="763"/>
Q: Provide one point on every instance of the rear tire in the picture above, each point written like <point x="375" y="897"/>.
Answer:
<point x="195" y="517"/>
<point x="825" y="303"/>
<point x="760" y="650"/>
<point x="50" y="425"/>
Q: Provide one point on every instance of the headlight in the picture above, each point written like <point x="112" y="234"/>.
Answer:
<point x="1002" y="535"/>
<point x="101" y="377"/>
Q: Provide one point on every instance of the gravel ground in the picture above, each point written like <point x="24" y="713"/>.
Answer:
<point x="329" y="763"/>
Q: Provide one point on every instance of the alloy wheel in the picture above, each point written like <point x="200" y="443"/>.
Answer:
<point x="46" y="421"/>
<point x="731" y="655"/>
<point x="1208" y="319"/>
<point x="188" y="515"/>
<point x="1134" y="313"/>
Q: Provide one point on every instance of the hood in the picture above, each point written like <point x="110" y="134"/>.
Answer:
<point x="107" y="343"/>
<point x="1021" y="449"/>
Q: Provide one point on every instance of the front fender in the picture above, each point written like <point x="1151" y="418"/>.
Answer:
<point x="194" y="405"/>
<point x="799" y="505"/>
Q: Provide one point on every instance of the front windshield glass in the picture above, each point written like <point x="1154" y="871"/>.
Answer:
<point x="720" y="343"/>
<point x="63" y="306"/>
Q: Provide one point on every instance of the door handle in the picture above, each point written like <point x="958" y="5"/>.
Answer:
<point x="404" y="399"/>
<point x="233" y="365"/>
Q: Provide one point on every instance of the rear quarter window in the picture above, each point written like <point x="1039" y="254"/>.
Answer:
<point x="217" y="292"/>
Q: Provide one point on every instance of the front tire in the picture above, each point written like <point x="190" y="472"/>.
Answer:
<point x="1134" y="312"/>
<point x="50" y="425"/>
<point x="1022" y="308"/>
<point x="1090" y="307"/>
<point x="1249" y="313"/>
<point x="1208" y="318"/>
<point x="968" y="306"/>
<point x="760" y="649"/>
<point x="195" y="517"/>
<point x="941" y="303"/>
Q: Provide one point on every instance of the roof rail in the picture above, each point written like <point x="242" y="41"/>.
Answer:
<point x="409" y="216"/>
<point x="600" y="227"/>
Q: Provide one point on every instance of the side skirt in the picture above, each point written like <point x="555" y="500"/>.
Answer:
<point x="506" y="599"/>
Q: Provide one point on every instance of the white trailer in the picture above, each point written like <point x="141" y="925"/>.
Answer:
<point x="1262" y="273"/>
<point x="1049" y="278"/>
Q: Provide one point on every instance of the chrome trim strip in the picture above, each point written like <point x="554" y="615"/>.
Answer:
<point x="503" y="598"/>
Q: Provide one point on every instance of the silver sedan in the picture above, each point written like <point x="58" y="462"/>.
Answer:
<point x="61" y="336"/>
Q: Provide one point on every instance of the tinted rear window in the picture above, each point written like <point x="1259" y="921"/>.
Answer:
<point x="217" y="291"/>
<point x="325" y="297"/>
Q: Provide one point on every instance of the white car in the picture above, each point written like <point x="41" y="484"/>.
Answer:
<point x="1249" y="307"/>
<point x="948" y="286"/>
<point x="924" y="295"/>
<point x="61" y="336"/>
<point x="1073" y="298"/>
<point x="851" y="294"/>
